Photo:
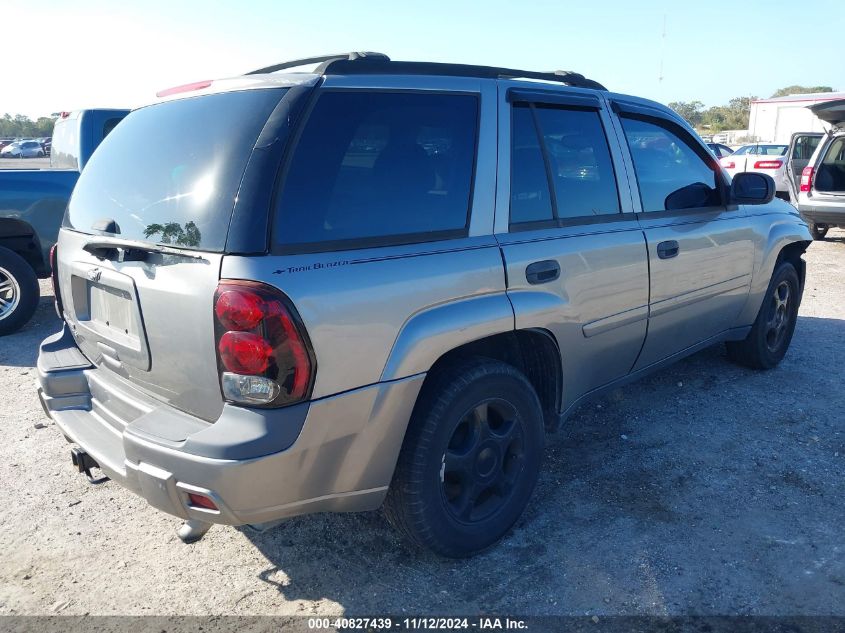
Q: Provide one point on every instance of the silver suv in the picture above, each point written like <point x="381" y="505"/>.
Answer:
<point x="382" y="283"/>
<point x="821" y="187"/>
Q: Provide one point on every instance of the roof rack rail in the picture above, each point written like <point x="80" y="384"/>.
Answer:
<point x="320" y="59"/>
<point x="357" y="63"/>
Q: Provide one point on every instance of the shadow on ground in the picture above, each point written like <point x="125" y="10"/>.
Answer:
<point x="703" y="487"/>
<point x="21" y="348"/>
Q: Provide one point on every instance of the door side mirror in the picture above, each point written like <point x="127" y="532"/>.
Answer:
<point x="752" y="188"/>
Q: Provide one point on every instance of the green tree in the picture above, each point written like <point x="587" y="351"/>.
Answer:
<point x="797" y="90"/>
<point x="20" y="125"/>
<point x="690" y="111"/>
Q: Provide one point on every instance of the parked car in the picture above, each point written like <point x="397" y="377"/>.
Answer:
<point x="821" y="188"/>
<point x="767" y="158"/>
<point x="32" y="203"/>
<point x="6" y="141"/>
<point x="719" y="150"/>
<point x="393" y="279"/>
<point x="22" y="149"/>
<point x="46" y="144"/>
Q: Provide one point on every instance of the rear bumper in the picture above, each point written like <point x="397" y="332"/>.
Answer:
<point x="333" y="454"/>
<point x="833" y="215"/>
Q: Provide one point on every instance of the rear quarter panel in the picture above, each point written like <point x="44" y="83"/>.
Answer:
<point x="384" y="316"/>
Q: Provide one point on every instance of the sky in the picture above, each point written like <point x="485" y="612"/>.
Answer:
<point x="72" y="54"/>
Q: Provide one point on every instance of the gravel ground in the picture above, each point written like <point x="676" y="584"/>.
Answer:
<point x="25" y="163"/>
<point x="705" y="489"/>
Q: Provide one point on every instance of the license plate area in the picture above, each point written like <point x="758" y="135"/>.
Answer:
<point x="112" y="308"/>
<point x="106" y="319"/>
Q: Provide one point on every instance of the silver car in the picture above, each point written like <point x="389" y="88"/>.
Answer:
<point x="821" y="187"/>
<point x="23" y="149"/>
<point x="383" y="283"/>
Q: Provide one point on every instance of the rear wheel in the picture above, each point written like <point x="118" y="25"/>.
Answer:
<point x="19" y="291"/>
<point x="470" y="459"/>
<point x="766" y="344"/>
<point x="819" y="231"/>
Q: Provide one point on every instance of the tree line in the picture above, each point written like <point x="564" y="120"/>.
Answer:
<point x="734" y="115"/>
<point x="22" y="126"/>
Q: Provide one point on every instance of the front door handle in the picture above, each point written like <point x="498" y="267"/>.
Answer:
<point x="542" y="272"/>
<point x="667" y="249"/>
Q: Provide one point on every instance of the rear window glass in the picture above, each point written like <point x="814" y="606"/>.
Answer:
<point x="169" y="173"/>
<point x="374" y="168"/>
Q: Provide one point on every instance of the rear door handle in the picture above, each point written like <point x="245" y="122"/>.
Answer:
<point x="667" y="249"/>
<point x="542" y="272"/>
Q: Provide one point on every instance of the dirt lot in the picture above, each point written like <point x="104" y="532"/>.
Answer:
<point x="706" y="489"/>
<point x="25" y="163"/>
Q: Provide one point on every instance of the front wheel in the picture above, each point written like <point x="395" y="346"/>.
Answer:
<point x="19" y="291"/>
<point x="470" y="458"/>
<point x="819" y="231"/>
<point x="766" y="344"/>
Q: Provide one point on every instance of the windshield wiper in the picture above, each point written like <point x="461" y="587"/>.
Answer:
<point x="132" y="250"/>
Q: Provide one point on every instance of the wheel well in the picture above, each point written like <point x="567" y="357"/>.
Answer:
<point x="19" y="236"/>
<point x="533" y="352"/>
<point x="792" y="253"/>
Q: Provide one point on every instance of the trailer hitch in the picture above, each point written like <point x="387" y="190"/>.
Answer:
<point x="84" y="463"/>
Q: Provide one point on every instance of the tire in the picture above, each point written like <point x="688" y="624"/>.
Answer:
<point x="470" y="458"/>
<point x="819" y="231"/>
<point x="19" y="291"/>
<point x="767" y="343"/>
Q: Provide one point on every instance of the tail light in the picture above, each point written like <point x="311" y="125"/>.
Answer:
<point x="263" y="353"/>
<point x="727" y="164"/>
<point x="806" y="179"/>
<point x="54" y="279"/>
<point x="768" y="164"/>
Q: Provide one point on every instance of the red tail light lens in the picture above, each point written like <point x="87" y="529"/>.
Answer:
<point x="263" y="353"/>
<point x="244" y="353"/>
<point x="728" y="164"/>
<point x="807" y="179"/>
<point x="768" y="164"/>
<point x="238" y="309"/>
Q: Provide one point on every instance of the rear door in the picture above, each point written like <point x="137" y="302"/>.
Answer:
<point x="168" y="175"/>
<point x="575" y="256"/>
<point x="700" y="251"/>
<point x="801" y="149"/>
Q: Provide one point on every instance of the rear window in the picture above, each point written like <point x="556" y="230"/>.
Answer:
<point x="169" y="173"/>
<point x="374" y="168"/>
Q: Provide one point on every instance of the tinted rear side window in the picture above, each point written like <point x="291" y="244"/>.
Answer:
<point x="571" y="156"/>
<point x="375" y="168"/>
<point x="169" y="173"/>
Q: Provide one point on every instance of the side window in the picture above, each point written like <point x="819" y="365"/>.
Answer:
<point x="670" y="173"/>
<point x="560" y="165"/>
<point x="531" y="199"/>
<point x="805" y="146"/>
<point x="374" y="168"/>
